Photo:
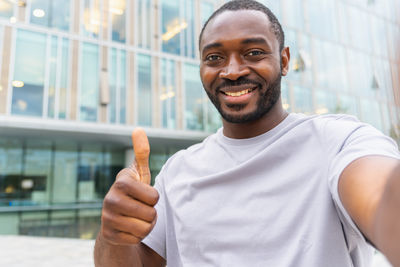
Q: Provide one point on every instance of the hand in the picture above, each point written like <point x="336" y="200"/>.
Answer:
<point x="128" y="213"/>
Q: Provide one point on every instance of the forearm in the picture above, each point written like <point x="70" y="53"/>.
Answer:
<point x="387" y="222"/>
<point x="108" y="255"/>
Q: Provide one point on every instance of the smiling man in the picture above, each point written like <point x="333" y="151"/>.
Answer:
<point x="269" y="188"/>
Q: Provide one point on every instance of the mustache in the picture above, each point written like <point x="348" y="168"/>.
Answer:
<point x="240" y="81"/>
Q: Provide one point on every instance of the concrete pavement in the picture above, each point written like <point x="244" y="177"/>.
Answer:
<point x="26" y="251"/>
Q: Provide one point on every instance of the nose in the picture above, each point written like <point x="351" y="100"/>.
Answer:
<point x="234" y="69"/>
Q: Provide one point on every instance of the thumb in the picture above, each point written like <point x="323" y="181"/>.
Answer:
<point x="142" y="151"/>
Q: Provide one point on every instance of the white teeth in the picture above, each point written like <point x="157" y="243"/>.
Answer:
<point x="243" y="92"/>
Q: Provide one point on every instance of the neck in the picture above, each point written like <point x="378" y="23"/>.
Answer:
<point x="254" y="128"/>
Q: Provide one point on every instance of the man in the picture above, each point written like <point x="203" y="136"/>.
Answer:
<point x="269" y="188"/>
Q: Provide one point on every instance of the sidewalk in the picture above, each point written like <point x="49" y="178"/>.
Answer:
<point x="24" y="251"/>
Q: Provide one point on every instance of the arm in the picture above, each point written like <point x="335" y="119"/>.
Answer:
<point x="369" y="189"/>
<point x="128" y="214"/>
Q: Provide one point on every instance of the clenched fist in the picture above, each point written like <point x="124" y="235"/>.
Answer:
<point x="128" y="213"/>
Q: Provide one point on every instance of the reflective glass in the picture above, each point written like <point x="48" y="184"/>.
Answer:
<point x="194" y="98"/>
<point x="143" y="16"/>
<point x="378" y="36"/>
<point x="370" y="113"/>
<point x="188" y="31"/>
<point x="213" y="118"/>
<point x="207" y="8"/>
<point x="89" y="172"/>
<point x="348" y="105"/>
<point x="118" y="20"/>
<point x="144" y="92"/>
<point x="359" y="28"/>
<point x="293" y="13"/>
<point x="91" y="18"/>
<point x="112" y="80"/>
<point x="285" y="96"/>
<point x="52" y="77"/>
<point x="11" y="166"/>
<point x="52" y="14"/>
<point x="330" y="65"/>
<point x="321" y="18"/>
<point x="172" y="25"/>
<point x="65" y="173"/>
<point x="6" y="9"/>
<point x="303" y="99"/>
<point x="168" y="93"/>
<point x="325" y="102"/>
<point x="89" y="82"/>
<point x="360" y="73"/>
<point x="37" y="172"/>
<point x="29" y="73"/>
<point x="122" y="87"/>
<point x="63" y="91"/>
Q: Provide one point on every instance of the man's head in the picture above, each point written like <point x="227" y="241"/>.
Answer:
<point x="242" y="61"/>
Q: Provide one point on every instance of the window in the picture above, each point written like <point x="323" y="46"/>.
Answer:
<point x="143" y="27"/>
<point x="378" y="36"/>
<point x="168" y="93"/>
<point x="52" y="14"/>
<point x="370" y="113"/>
<point x="117" y="84"/>
<point x="207" y="8"/>
<point x="89" y="82"/>
<point x="303" y="99"/>
<point x="321" y="18"/>
<point x="325" y="102"/>
<point x="213" y="118"/>
<point x="118" y="20"/>
<point x="359" y="29"/>
<point x="188" y="42"/>
<point x="29" y="74"/>
<point x="144" y="92"/>
<point x="274" y="6"/>
<point x="285" y="96"/>
<point x="360" y="73"/>
<point x="6" y="9"/>
<point x="195" y="98"/>
<point x="91" y="18"/>
<point x="293" y="13"/>
<point x="348" y="105"/>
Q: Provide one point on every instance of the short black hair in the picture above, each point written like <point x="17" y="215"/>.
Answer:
<point x="250" y="5"/>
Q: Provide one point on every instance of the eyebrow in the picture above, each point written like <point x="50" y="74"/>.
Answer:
<point x="213" y="45"/>
<point x="255" y="41"/>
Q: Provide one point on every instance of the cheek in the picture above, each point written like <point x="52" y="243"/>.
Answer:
<point x="207" y="76"/>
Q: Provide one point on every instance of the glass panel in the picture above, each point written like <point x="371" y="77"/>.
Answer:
<point x="325" y="102"/>
<point x="360" y="73"/>
<point x="65" y="173"/>
<point x="144" y="94"/>
<point x="188" y="31"/>
<point x="6" y="9"/>
<point x="143" y="16"/>
<point x="118" y="18"/>
<point x="214" y="121"/>
<point x="52" y="14"/>
<point x="89" y="172"/>
<point x="285" y="96"/>
<point x="378" y="36"/>
<point x="207" y="9"/>
<point x="359" y="29"/>
<point x="112" y="106"/>
<point x="330" y="66"/>
<point x="91" y="18"/>
<point x="167" y="93"/>
<point x="11" y="153"/>
<point x="122" y="87"/>
<point x="293" y="13"/>
<point x="37" y="173"/>
<point x="89" y="89"/>
<point x="29" y="70"/>
<point x="303" y="99"/>
<point x="348" y="105"/>
<point x="274" y="6"/>
<point x="194" y="98"/>
<point x="172" y="25"/>
<point x="63" y="97"/>
<point x="52" y="77"/>
<point x="386" y="124"/>
<point x="371" y="113"/>
<point x="322" y="19"/>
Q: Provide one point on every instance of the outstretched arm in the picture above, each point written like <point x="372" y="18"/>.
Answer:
<point x="369" y="189"/>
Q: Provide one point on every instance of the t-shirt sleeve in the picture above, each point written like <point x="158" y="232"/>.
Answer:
<point x="353" y="141"/>
<point x="156" y="240"/>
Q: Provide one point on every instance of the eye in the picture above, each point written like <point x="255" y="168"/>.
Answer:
<point x="255" y="53"/>
<point x="212" y="58"/>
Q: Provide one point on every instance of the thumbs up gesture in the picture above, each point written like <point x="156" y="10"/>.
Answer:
<point x="128" y="213"/>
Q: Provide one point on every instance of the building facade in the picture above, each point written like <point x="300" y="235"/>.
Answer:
<point x="76" y="76"/>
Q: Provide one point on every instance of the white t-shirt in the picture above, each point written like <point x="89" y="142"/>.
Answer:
<point x="271" y="200"/>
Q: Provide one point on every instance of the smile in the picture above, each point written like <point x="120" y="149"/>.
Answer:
<point x="240" y="93"/>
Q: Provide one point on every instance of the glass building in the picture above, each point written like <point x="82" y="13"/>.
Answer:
<point x="76" y="76"/>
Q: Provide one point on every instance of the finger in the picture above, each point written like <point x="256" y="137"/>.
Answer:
<point x="129" y="225"/>
<point x="142" y="151"/>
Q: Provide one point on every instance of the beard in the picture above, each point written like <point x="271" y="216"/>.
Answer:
<point x="265" y="102"/>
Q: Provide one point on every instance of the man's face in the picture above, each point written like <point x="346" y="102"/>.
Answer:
<point x="241" y="65"/>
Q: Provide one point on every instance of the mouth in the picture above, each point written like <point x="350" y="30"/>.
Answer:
<point x="236" y="93"/>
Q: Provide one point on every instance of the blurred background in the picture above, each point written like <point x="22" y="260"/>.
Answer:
<point x="76" y="76"/>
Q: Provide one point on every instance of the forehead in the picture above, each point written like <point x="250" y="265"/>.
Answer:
<point x="240" y="24"/>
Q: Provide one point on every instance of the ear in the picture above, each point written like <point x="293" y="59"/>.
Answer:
<point x="285" y="59"/>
